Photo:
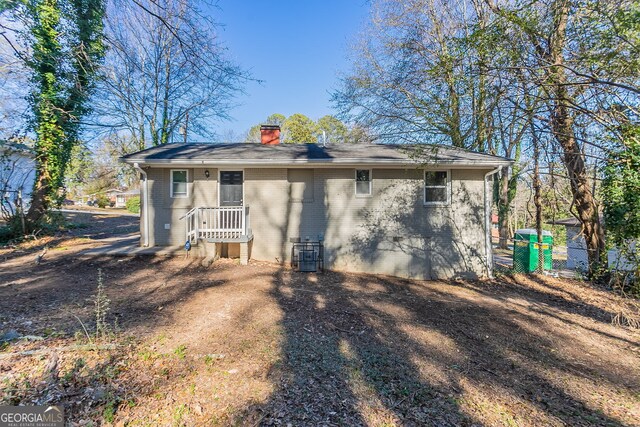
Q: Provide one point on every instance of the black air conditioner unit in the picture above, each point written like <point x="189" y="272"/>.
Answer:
<point x="307" y="256"/>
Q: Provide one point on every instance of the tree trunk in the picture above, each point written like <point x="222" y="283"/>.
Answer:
<point x="165" y="99"/>
<point x="503" y="210"/>
<point x="573" y="159"/>
<point x="482" y="139"/>
<point x="39" y="201"/>
<point x="507" y="193"/>
<point x="551" y="61"/>
<point x="563" y="131"/>
<point x="455" y="132"/>
<point x="537" y="198"/>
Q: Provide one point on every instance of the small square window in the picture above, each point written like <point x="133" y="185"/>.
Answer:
<point x="179" y="183"/>
<point x="363" y="182"/>
<point x="436" y="187"/>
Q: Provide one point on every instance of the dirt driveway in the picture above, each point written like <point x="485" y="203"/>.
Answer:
<point x="261" y="345"/>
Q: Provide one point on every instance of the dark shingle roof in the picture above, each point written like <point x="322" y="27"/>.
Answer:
<point x="297" y="154"/>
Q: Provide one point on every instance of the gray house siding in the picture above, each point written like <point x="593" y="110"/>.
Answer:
<point x="165" y="211"/>
<point x="389" y="232"/>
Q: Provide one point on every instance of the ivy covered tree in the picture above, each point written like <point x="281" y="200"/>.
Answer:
<point x="64" y="47"/>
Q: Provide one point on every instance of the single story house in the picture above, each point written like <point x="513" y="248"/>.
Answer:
<point x="118" y="198"/>
<point x="418" y="211"/>
<point x="495" y="227"/>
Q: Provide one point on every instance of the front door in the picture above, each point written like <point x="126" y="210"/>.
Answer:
<point x="231" y="188"/>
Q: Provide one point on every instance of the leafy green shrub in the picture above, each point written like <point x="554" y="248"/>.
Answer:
<point x="103" y="201"/>
<point x="621" y="194"/>
<point x="7" y="232"/>
<point x="133" y="204"/>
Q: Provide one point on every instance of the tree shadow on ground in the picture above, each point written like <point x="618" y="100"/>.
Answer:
<point x="371" y="350"/>
<point x="58" y="295"/>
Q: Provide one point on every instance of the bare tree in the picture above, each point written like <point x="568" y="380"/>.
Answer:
<point x="165" y="72"/>
<point x="470" y="72"/>
<point x="412" y="81"/>
<point x="556" y="42"/>
<point x="425" y="71"/>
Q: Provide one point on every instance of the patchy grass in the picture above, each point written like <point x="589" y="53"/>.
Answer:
<point x="180" y="351"/>
<point x="259" y="345"/>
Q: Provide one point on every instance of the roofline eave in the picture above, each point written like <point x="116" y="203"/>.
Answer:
<point x="470" y="164"/>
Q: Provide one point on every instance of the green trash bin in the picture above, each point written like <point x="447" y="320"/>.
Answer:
<point x="525" y="250"/>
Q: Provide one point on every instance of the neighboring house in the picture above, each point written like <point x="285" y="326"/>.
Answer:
<point x="411" y="211"/>
<point x="121" y="198"/>
<point x="111" y="195"/>
<point x="495" y="227"/>
<point x="577" y="258"/>
<point x="17" y="175"/>
<point x="118" y="198"/>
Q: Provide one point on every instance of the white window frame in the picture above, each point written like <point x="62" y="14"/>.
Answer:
<point x="447" y="187"/>
<point x="355" y="183"/>
<point x="178" y="196"/>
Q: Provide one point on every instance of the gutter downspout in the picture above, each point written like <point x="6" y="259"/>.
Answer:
<point x="145" y="203"/>
<point x="487" y="223"/>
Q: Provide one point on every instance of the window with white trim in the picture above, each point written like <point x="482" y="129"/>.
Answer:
<point x="436" y="187"/>
<point x="179" y="179"/>
<point x="363" y="182"/>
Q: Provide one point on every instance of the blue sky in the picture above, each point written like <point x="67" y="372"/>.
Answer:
<point x="296" y="47"/>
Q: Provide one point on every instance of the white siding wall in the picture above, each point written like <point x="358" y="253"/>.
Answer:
<point x="577" y="258"/>
<point x="17" y="173"/>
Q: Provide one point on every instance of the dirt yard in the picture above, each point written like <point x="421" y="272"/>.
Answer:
<point x="261" y="345"/>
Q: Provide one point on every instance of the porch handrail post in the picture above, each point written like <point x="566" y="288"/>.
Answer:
<point x="197" y="227"/>
<point x="243" y="220"/>
<point x="247" y="221"/>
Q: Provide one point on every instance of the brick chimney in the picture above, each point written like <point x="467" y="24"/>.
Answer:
<point x="270" y="134"/>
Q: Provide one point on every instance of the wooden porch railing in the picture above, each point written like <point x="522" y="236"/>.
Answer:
<point x="223" y="223"/>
